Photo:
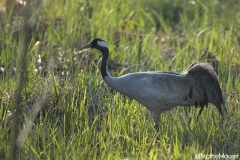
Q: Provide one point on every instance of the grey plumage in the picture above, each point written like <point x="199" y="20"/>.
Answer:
<point x="161" y="91"/>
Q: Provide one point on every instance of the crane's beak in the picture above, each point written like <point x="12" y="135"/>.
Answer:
<point x="89" y="45"/>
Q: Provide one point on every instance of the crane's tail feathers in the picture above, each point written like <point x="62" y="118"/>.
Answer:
<point x="211" y="90"/>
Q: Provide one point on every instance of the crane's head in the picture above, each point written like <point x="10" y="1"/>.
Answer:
<point x="95" y="43"/>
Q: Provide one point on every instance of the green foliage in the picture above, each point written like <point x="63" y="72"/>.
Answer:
<point x="86" y="119"/>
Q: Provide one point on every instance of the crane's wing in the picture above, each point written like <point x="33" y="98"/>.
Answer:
<point x="197" y="86"/>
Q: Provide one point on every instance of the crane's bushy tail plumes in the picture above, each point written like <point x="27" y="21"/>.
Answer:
<point x="205" y="73"/>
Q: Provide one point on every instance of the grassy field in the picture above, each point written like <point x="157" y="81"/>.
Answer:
<point x="67" y="110"/>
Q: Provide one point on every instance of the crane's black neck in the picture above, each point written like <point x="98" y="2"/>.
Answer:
<point x="105" y="53"/>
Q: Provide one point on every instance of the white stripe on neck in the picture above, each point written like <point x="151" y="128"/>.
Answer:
<point x="102" y="44"/>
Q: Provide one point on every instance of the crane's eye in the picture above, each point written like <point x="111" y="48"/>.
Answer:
<point x="95" y="41"/>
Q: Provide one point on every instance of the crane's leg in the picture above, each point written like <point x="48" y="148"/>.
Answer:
<point x="156" y="117"/>
<point x="157" y="127"/>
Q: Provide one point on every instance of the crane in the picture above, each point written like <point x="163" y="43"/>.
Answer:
<point x="161" y="91"/>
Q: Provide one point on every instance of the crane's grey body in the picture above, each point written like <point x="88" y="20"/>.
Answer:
<point x="161" y="91"/>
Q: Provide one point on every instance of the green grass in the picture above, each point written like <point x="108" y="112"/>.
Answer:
<point x="82" y="118"/>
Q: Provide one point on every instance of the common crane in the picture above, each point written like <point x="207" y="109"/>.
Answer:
<point x="161" y="91"/>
